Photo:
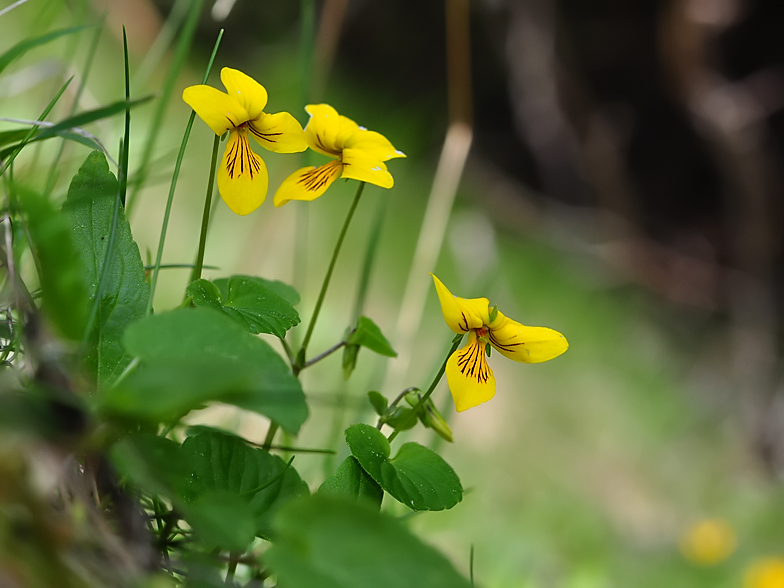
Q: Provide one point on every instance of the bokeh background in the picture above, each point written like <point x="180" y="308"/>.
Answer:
<point x="610" y="169"/>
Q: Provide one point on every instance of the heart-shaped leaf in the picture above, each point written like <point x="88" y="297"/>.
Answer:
<point x="416" y="476"/>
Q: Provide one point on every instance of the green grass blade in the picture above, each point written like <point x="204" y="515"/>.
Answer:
<point x="175" y="175"/>
<point x="89" y="116"/>
<point x="18" y="148"/>
<point x="123" y="172"/>
<point x="180" y="55"/>
<point x="24" y="46"/>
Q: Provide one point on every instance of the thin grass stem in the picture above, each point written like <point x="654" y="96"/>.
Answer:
<point x="328" y="276"/>
<point x="205" y="219"/>
<point x="176" y="175"/>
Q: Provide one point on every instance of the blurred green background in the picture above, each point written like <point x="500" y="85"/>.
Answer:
<point x="621" y="188"/>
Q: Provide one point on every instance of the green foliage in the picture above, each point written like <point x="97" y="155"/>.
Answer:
<point x="89" y="208"/>
<point x="24" y="46"/>
<point x="248" y="301"/>
<point x="379" y="402"/>
<point x="326" y="542"/>
<point x="191" y="356"/>
<point x="225" y="464"/>
<point x="353" y="483"/>
<point x="416" y="476"/>
<point x="367" y="334"/>
<point x="64" y="292"/>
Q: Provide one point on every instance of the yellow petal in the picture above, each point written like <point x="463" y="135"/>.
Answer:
<point x="308" y="183"/>
<point x="461" y="314"/>
<point x="278" y="132"/>
<point x="525" y="344"/>
<point x="358" y="165"/>
<point x="347" y="128"/>
<point x="373" y="143"/>
<point x="242" y="175"/>
<point x="220" y="111"/>
<point x="470" y="379"/>
<point x="245" y="90"/>
<point x="322" y="130"/>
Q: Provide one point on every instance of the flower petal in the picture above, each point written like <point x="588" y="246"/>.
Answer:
<point x="358" y="165"/>
<point x="525" y="344"/>
<point x="470" y="379"/>
<point x="461" y="314"/>
<point x="308" y="183"/>
<point x="322" y="129"/>
<point x="373" y="143"/>
<point x="220" y="111"/>
<point x="278" y="132"/>
<point x="242" y="176"/>
<point x="346" y="129"/>
<point x="245" y="90"/>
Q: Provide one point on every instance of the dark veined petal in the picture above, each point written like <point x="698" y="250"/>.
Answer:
<point x="359" y="165"/>
<point x="278" y="132"/>
<point x="470" y="379"/>
<point x="322" y="130"/>
<point x="220" y="111"/>
<point x="526" y="344"/>
<point x="308" y="183"/>
<point x="242" y="175"/>
<point x="461" y="314"/>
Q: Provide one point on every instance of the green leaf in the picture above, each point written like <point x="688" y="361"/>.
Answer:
<point x="353" y="483"/>
<point x="154" y="463"/>
<point x="367" y="334"/>
<point x="200" y="354"/>
<point x="221" y="519"/>
<point x="247" y="301"/>
<point x="64" y="292"/>
<point x="89" y="209"/>
<point x="398" y="418"/>
<point x="416" y="476"/>
<point x="379" y="402"/>
<point x="24" y="46"/>
<point x="325" y="542"/>
<point x="224" y="463"/>
<point x="350" y="353"/>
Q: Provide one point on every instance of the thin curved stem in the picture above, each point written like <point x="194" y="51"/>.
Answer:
<point x="205" y="219"/>
<point x="325" y="284"/>
<point x="412" y="415"/>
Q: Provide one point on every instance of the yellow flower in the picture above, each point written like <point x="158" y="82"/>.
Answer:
<point x="242" y="175"/>
<point x="470" y="378"/>
<point x="765" y="573"/>
<point x="357" y="154"/>
<point x="708" y="542"/>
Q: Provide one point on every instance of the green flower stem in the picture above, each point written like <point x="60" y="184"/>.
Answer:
<point x="325" y="285"/>
<point x="319" y="357"/>
<point x="412" y="415"/>
<point x="176" y="175"/>
<point x="370" y="257"/>
<point x="205" y="219"/>
<point x="273" y="428"/>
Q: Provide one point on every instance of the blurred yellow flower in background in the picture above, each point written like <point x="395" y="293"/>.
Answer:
<point x="765" y="573"/>
<point x="242" y="175"/>
<point x="470" y="378"/>
<point x="708" y="542"/>
<point x="358" y="153"/>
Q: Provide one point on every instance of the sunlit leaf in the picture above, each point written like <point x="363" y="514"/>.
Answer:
<point x="248" y="301"/>
<point x="367" y="334"/>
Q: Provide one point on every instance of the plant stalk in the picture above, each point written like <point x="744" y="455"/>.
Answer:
<point x="205" y="219"/>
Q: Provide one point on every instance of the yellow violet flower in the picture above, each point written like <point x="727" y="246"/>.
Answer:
<point x="242" y="175"/>
<point x="765" y="573"/>
<point x="470" y="378"/>
<point x="708" y="542"/>
<point x="357" y="153"/>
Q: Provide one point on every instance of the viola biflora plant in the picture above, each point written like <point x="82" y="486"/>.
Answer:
<point x="104" y="381"/>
